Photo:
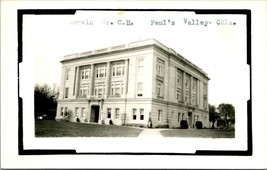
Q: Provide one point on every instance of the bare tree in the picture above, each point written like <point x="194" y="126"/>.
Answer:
<point x="45" y="100"/>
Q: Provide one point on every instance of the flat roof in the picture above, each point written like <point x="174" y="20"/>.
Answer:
<point x="129" y="46"/>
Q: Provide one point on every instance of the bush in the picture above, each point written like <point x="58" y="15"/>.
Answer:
<point x="184" y="124"/>
<point x="110" y="122"/>
<point x="220" y="124"/>
<point x="149" y="124"/>
<point x="199" y="124"/>
<point x="162" y="126"/>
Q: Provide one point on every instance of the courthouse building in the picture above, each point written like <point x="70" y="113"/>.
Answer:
<point x="133" y="84"/>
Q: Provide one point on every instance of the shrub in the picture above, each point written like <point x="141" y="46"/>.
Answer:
<point x="149" y="124"/>
<point x="184" y="124"/>
<point x="162" y="126"/>
<point x="110" y="122"/>
<point x="220" y="124"/>
<point x="199" y="124"/>
<point x="165" y="126"/>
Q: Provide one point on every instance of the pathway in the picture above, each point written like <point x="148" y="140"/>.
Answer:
<point x="150" y="133"/>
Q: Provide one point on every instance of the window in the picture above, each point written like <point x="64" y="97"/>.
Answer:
<point x="205" y="96"/>
<point x="193" y="99"/>
<point x="186" y="96"/>
<point x="204" y="89"/>
<point x="179" y="77"/>
<point x="116" y="88"/>
<point x="84" y="90"/>
<point x="141" y="114"/>
<point x="160" y="67"/>
<point x="117" y="113"/>
<point x="83" y="112"/>
<point x="66" y="92"/>
<point x="159" y="115"/>
<point x="187" y="82"/>
<point x="101" y="71"/>
<point x="159" y="88"/>
<point x="109" y="113"/>
<point x="141" y="66"/>
<point x="140" y="89"/>
<point x="179" y="117"/>
<point x="205" y="102"/>
<point x="85" y="73"/>
<point x="134" y="114"/>
<point x="66" y="111"/>
<point x="68" y="74"/>
<point x="77" y="111"/>
<point x="62" y="111"/>
<point x="179" y="94"/>
<point x="179" y="85"/>
<point x="194" y="85"/>
<point x="118" y="69"/>
<point x="99" y="90"/>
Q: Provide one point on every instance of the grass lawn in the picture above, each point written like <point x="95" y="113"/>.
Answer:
<point x="51" y="128"/>
<point x="199" y="133"/>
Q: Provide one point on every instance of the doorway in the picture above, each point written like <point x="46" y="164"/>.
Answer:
<point x="190" y="122"/>
<point x="94" y="114"/>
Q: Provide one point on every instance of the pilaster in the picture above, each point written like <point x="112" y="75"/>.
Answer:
<point x="126" y="73"/>
<point x="77" y="80"/>
<point x="107" y="80"/>
<point x="184" y="80"/>
<point x="92" y="76"/>
<point x="197" y="94"/>
<point x="191" y="89"/>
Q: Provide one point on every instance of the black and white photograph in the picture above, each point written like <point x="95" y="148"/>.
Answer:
<point x="152" y="75"/>
<point x="134" y="82"/>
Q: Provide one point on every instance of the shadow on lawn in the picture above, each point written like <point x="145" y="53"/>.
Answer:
<point x="199" y="133"/>
<point x="50" y="128"/>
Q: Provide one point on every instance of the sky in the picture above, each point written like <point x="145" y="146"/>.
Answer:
<point x="208" y="41"/>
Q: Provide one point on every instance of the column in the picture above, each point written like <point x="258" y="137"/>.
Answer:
<point x="168" y="78"/>
<point x="184" y="79"/>
<point x="77" y="79"/>
<point x="100" y="112"/>
<point x="197" y="95"/>
<point x="89" y="112"/>
<point x="107" y="80"/>
<point x="200" y="94"/>
<point x="92" y="77"/>
<point x="63" y="82"/>
<point x="191" y="89"/>
<point x="125" y="89"/>
<point x="207" y="106"/>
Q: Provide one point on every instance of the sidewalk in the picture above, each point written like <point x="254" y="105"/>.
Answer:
<point x="150" y="133"/>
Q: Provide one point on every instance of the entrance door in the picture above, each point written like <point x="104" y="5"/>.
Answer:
<point x="94" y="114"/>
<point x="190" y="122"/>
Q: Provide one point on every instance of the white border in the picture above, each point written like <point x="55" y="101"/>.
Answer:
<point x="9" y="110"/>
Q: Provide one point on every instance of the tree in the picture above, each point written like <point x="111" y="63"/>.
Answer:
<point x="213" y="115"/>
<point x="227" y="112"/>
<point x="45" y="100"/>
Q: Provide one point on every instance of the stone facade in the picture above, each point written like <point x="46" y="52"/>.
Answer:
<point x="139" y="83"/>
